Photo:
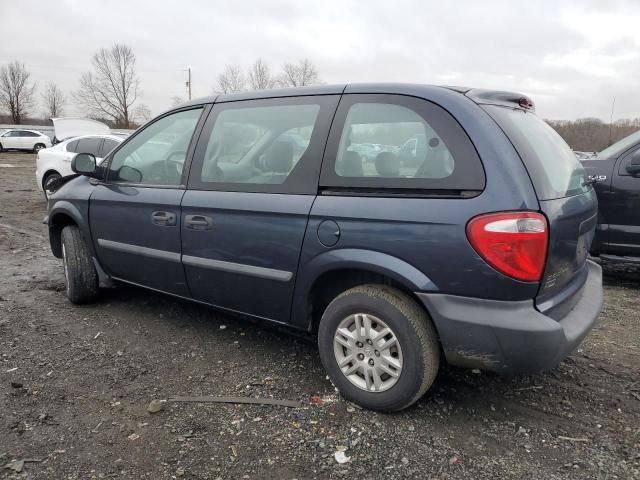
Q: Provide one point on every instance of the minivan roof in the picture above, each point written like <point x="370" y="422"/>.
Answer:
<point x="480" y="96"/>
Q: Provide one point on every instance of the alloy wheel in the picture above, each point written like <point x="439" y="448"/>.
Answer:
<point x="368" y="352"/>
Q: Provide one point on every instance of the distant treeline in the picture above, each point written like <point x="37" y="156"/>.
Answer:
<point x="7" y="120"/>
<point x="592" y="134"/>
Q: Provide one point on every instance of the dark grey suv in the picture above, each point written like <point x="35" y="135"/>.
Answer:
<point x="306" y="207"/>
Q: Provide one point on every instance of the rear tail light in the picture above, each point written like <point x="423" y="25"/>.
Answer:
<point x="514" y="243"/>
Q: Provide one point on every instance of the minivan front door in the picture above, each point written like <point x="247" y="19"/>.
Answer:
<point x="252" y="183"/>
<point x="135" y="214"/>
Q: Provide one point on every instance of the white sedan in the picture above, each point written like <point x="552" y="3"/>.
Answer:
<point x="18" y="139"/>
<point x="55" y="162"/>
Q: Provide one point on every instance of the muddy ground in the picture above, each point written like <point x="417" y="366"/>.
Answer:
<point x="75" y="383"/>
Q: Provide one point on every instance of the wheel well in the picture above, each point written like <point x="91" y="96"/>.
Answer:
<point x="46" y="174"/>
<point x="55" y="232"/>
<point x="330" y="284"/>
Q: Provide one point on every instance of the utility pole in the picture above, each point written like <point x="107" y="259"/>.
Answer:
<point x="611" y="119"/>
<point x="188" y="69"/>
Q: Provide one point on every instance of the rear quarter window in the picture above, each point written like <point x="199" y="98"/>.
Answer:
<point x="396" y="142"/>
<point x="72" y="146"/>
<point x="90" y="145"/>
<point x="554" y="169"/>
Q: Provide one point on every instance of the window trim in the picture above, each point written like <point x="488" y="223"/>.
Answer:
<point x="99" y="152"/>
<point x="106" y="164"/>
<point x="305" y="178"/>
<point x="330" y="180"/>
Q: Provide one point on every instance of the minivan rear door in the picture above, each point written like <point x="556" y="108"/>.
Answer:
<point x="566" y="198"/>
<point x="253" y="180"/>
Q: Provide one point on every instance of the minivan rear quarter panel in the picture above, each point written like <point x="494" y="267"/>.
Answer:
<point x="426" y="233"/>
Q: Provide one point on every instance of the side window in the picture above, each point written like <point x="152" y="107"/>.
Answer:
<point x="258" y="144"/>
<point x="89" y="145"/>
<point x="390" y="141"/>
<point x="397" y="142"/>
<point x="631" y="156"/>
<point x="156" y="154"/>
<point x="73" y="146"/>
<point x="107" y="146"/>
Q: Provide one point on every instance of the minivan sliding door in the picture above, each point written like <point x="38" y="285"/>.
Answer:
<point x="252" y="183"/>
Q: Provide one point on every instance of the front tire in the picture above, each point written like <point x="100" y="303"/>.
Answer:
<point x="378" y="347"/>
<point x="81" y="278"/>
<point x="38" y="146"/>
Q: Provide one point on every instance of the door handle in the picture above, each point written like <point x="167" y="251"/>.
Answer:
<point x="198" y="222"/>
<point x="163" y="219"/>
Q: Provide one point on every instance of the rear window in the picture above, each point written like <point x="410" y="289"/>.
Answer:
<point x="554" y="169"/>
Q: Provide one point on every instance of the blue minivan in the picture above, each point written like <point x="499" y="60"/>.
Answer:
<point x="463" y="239"/>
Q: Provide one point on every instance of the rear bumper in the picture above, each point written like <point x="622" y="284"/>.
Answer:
<point x="512" y="337"/>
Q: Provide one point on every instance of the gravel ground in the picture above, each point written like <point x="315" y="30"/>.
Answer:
<point x="76" y="382"/>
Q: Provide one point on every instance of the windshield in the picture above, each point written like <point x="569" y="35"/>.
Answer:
<point x="620" y="146"/>
<point x="554" y="169"/>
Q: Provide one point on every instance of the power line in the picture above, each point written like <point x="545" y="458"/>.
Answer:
<point x="86" y="68"/>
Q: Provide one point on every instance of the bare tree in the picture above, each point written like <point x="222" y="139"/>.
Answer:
<point x="260" y="76"/>
<point x="16" y="94"/>
<point x="112" y="87"/>
<point x="231" y="80"/>
<point x="54" y="100"/>
<point x="176" y="100"/>
<point x="142" y="114"/>
<point x="300" y="74"/>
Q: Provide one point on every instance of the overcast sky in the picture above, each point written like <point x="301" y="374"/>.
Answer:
<point x="571" y="57"/>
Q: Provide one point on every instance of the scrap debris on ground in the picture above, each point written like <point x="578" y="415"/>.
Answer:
<point x="82" y="389"/>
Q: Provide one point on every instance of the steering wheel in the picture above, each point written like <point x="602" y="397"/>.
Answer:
<point x="167" y="171"/>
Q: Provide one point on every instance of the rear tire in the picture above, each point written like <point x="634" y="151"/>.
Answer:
<point x="50" y="177"/>
<point x="373" y="374"/>
<point x="38" y="146"/>
<point x="1" y="149"/>
<point x="81" y="278"/>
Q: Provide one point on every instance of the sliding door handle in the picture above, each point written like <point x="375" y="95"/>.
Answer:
<point x="198" y="222"/>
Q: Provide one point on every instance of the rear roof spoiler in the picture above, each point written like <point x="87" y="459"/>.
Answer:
<point x="507" y="99"/>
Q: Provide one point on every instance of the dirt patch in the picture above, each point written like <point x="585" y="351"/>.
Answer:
<point x="76" y="382"/>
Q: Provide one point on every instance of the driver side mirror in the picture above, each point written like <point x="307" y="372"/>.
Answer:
<point x="633" y="167"/>
<point x="85" y="164"/>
